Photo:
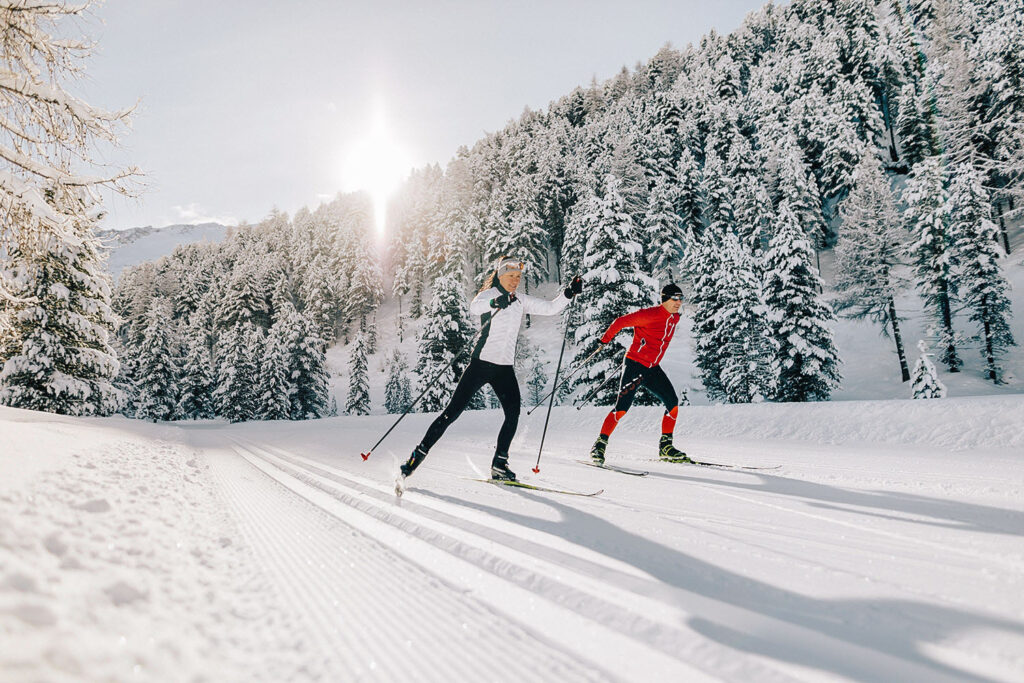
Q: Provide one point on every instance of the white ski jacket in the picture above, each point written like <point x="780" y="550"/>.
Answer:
<point x="497" y="343"/>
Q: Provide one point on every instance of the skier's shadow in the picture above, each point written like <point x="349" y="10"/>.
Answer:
<point x="899" y="629"/>
<point x="948" y="514"/>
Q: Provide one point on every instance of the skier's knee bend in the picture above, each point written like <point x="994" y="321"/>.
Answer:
<point x="672" y="410"/>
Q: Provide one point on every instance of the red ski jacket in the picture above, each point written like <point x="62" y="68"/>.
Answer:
<point x="652" y="331"/>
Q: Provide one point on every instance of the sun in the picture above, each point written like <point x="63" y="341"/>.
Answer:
<point x="376" y="163"/>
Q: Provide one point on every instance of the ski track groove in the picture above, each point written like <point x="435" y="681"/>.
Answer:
<point x="668" y="639"/>
<point x="387" y="585"/>
<point x="657" y="634"/>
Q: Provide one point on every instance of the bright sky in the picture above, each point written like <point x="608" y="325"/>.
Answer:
<point x="250" y="104"/>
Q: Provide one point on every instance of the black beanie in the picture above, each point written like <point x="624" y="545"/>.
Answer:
<point x="670" y="290"/>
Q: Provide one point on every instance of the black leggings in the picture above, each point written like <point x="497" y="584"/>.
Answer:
<point x="502" y="379"/>
<point x="633" y="375"/>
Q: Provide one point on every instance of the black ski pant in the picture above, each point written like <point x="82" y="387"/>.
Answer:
<point x="502" y="379"/>
<point x="635" y="374"/>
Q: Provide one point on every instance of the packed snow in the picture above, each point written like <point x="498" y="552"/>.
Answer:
<point x="886" y="546"/>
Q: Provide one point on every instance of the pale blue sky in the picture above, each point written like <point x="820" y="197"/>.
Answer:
<point x="247" y="105"/>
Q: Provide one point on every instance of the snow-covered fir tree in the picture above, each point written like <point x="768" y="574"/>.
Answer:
<point x="927" y="219"/>
<point x="197" y="374"/>
<point x="445" y="333"/>
<point x="981" y="283"/>
<point x="307" y="366"/>
<point x="748" y="353"/>
<point x="664" y="234"/>
<point x="925" y="380"/>
<point x="158" y="367"/>
<point x="614" y="284"/>
<point x="808" y="364"/>
<point x="537" y="381"/>
<point x="703" y="268"/>
<point x="870" y="249"/>
<point x="56" y="350"/>
<point x="275" y="386"/>
<point x="240" y="350"/>
<point x="397" y="389"/>
<point x="358" y="401"/>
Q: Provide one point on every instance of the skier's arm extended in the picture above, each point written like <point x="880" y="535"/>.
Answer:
<point x="532" y="304"/>
<point x="628" y="320"/>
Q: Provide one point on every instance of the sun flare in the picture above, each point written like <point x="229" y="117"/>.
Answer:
<point x="376" y="163"/>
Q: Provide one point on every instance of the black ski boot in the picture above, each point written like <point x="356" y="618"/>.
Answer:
<point x="597" y="452"/>
<point x="414" y="461"/>
<point x="670" y="453"/>
<point x="499" y="468"/>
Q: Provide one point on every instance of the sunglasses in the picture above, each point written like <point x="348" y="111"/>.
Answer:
<point x="677" y="297"/>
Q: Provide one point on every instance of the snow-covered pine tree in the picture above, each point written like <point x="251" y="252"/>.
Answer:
<point x="870" y="247"/>
<point x="397" y="390"/>
<point x="798" y="188"/>
<point x="197" y="374"/>
<point x="240" y="349"/>
<point x="687" y="193"/>
<point x="927" y="219"/>
<point x="664" y="235"/>
<point x="748" y="350"/>
<point x="157" y="366"/>
<point x="614" y="284"/>
<point x="243" y="301"/>
<point x="926" y="383"/>
<point x="275" y="387"/>
<point x="981" y="283"/>
<point x="307" y="366"/>
<point x="445" y="333"/>
<point x="808" y="365"/>
<point x="703" y="267"/>
<point x="537" y="380"/>
<point x="55" y="350"/>
<point x="358" y="401"/>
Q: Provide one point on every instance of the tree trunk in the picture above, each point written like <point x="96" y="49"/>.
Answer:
<point x="904" y="370"/>
<point x="893" y="154"/>
<point x="949" y="357"/>
<point x="990" y="357"/>
<point x="1002" y="228"/>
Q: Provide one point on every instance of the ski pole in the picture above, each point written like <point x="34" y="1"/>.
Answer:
<point x="366" y="455"/>
<point x="551" y="401"/>
<point x="569" y="377"/>
<point x="598" y="388"/>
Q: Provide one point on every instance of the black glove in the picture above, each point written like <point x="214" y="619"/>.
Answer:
<point x="574" y="288"/>
<point x="503" y="301"/>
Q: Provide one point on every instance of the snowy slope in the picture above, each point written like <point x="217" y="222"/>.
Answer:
<point x="136" y="245"/>
<point x="888" y="545"/>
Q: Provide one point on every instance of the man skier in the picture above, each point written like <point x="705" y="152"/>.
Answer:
<point x="652" y="331"/>
<point x="501" y="313"/>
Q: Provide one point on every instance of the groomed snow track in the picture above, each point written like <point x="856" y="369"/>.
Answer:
<point x="423" y="588"/>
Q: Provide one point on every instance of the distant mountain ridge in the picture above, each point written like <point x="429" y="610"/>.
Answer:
<point x="133" y="246"/>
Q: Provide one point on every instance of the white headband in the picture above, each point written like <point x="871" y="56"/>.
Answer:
<point x="509" y="264"/>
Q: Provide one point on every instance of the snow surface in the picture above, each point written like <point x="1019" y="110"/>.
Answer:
<point x="133" y="246"/>
<point x="887" y="546"/>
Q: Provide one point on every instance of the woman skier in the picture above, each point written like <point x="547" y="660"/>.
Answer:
<point x="501" y="313"/>
<point x="652" y="331"/>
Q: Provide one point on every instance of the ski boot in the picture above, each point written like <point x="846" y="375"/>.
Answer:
<point x="413" y="462"/>
<point x="670" y="453"/>
<point x="597" y="452"/>
<point x="499" y="468"/>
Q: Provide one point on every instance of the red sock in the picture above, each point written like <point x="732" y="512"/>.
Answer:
<point x="668" y="423"/>
<point x="611" y="421"/>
